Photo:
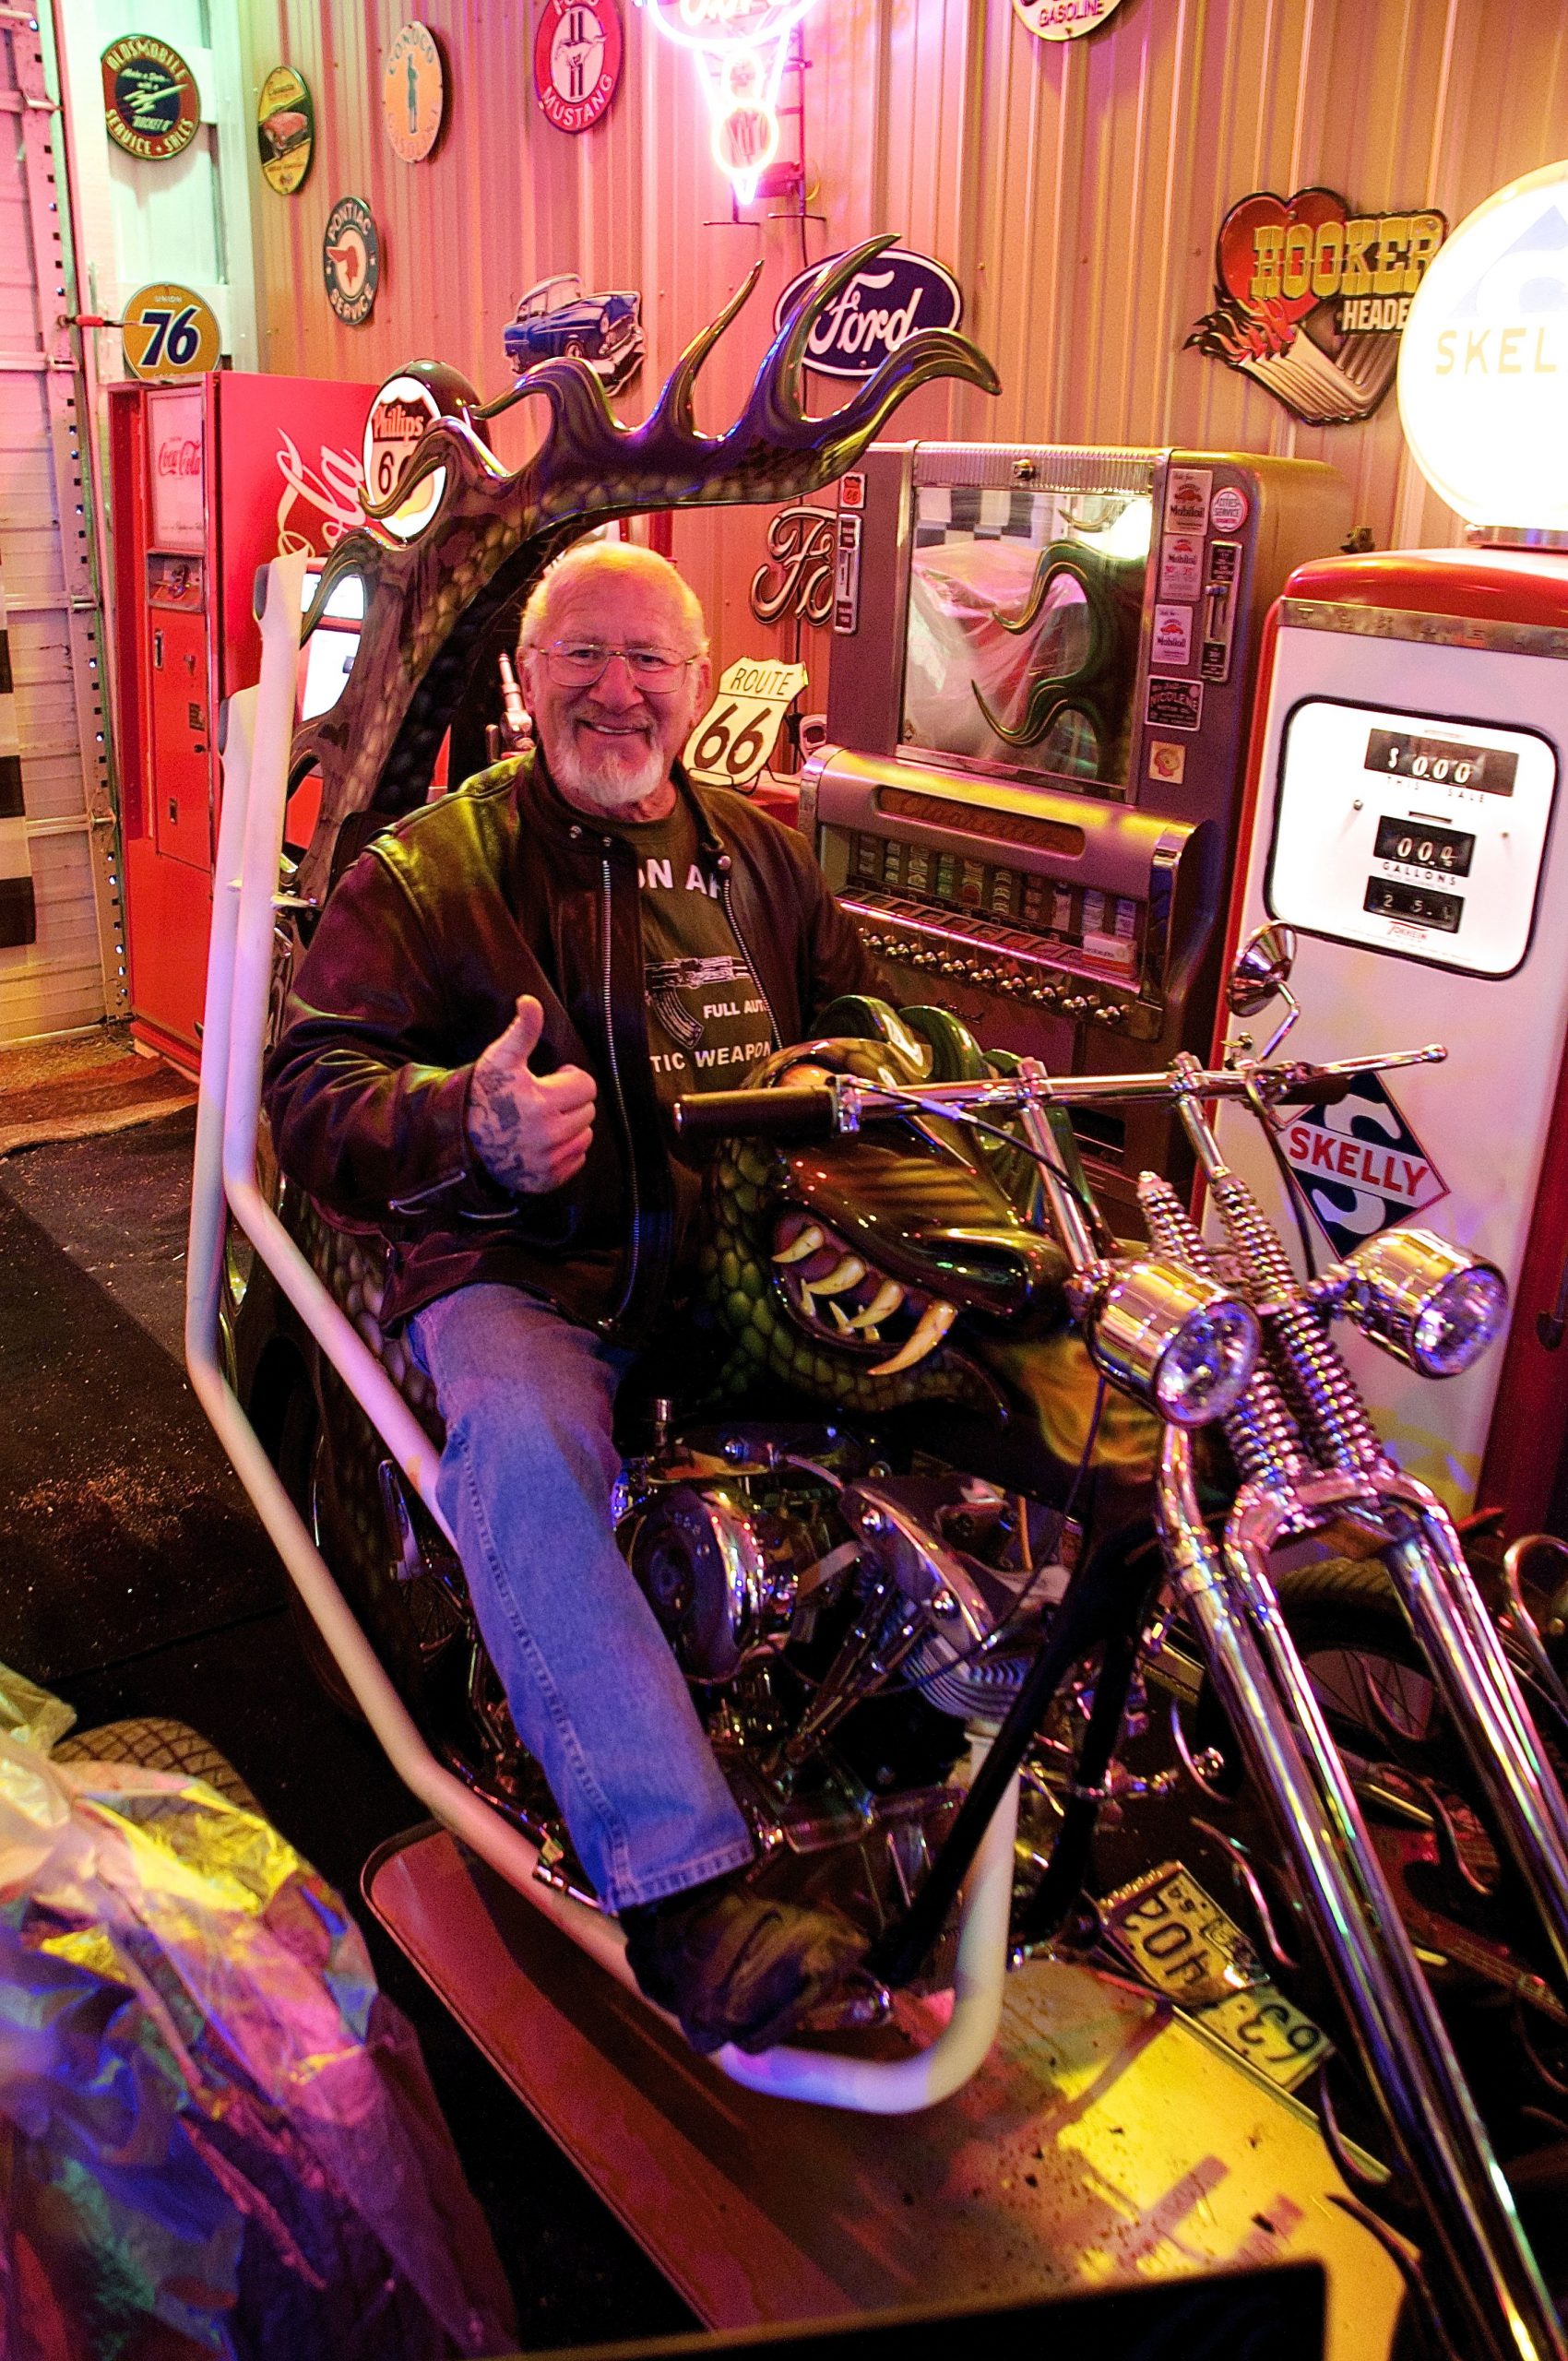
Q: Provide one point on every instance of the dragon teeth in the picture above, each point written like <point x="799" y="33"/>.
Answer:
<point x="846" y="1273"/>
<point x="809" y="1240"/>
<point x="883" y="1305"/>
<point x="933" y="1324"/>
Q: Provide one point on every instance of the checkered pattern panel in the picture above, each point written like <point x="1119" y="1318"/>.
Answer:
<point x="18" y="910"/>
<point x="962" y="511"/>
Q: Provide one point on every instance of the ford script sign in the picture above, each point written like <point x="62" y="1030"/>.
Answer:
<point x="880" y="309"/>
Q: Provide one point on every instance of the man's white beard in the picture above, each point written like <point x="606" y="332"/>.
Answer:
<point x="605" y="783"/>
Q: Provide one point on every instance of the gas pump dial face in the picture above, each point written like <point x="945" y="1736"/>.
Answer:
<point x="1411" y="835"/>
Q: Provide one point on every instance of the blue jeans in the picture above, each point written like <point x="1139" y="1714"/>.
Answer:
<point x="595" y="1695"/>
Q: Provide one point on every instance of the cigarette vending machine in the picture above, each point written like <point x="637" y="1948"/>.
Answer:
<point x="208" y="481"/>
<point x="1409" y="820"/>
<point x="1037" y="720"/>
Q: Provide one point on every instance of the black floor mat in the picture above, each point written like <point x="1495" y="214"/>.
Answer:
<point x="121" y="1525"/>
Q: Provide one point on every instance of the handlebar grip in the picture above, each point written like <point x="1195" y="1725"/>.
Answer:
<point x="795" y="1111"/>
<point x="1316" y="1090"/>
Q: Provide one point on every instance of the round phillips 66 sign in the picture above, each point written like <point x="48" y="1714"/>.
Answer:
<point x="167" y="332"/>
<point x="577" y="61"/>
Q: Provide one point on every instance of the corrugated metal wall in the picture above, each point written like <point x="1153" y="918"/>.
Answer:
<point x="1075" y="189"/>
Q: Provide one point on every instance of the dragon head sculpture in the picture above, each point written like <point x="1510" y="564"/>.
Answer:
<point x="438" y="608"/>
<point x="897" y="1267"/>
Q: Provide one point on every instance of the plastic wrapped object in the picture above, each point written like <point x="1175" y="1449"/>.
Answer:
<point x="217" y="2137"/>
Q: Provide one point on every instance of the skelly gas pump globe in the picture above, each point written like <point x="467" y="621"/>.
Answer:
<point x="1407" y="822"/>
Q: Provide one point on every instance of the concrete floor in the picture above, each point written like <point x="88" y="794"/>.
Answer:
<point x="164" y="1597"/>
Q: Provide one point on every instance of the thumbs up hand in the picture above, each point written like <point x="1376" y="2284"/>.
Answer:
<point x="531" y="1132"/>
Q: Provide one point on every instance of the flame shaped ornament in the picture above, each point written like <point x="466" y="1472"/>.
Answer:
<point x="439" y="609"/>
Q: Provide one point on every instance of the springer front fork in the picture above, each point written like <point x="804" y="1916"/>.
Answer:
<point x="1490" y="2294"/>
<point x="1307" y="1449"/>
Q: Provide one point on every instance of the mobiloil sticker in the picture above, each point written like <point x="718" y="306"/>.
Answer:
<point x="1360" y="1166"/>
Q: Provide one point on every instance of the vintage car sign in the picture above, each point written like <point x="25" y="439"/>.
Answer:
<point x="151" y="105"/>
<point x="1063" y="19"/>
<point x="167" y="333"/>
<point x="285" y="130"/>
<point x="577" y="48"/>
<point x="1311" y="299"/>
<point x="413" y="93"/>
<point x="557" y="320"/>
<point x="881" y="309"/>
<point x="350" y="260"/>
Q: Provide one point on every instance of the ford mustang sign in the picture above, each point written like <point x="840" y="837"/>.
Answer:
<point x="881" y="308"/>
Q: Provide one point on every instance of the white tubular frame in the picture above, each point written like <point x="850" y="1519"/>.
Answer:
<point x="258" y="730"/>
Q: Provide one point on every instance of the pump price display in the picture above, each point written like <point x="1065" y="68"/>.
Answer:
<point x="1439" y="860"/>
<point x="1390" y="897"/>
<point x="1415" y="845"/>
<point x="1486" y="770"/>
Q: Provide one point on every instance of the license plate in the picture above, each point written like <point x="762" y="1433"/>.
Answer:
<point x="1178" y="1939"/>
<point x="1181" y="1943"/>
<point x="1272" y="2035"/>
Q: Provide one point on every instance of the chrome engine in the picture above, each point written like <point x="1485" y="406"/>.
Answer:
<point x="845" y="1631"/>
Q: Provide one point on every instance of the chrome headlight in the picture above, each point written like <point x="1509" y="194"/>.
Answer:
<point x="1433" y="1306"/>
<point x="1180" y="1341"/>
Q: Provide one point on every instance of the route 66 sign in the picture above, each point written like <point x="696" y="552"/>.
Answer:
<point x="733" y="741"/>
<point x="577" y="61"/>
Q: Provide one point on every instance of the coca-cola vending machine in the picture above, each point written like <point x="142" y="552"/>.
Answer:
<point x="208" y="481"/>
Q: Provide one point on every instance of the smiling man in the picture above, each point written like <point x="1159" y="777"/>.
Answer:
<point x="500" y="1001"/>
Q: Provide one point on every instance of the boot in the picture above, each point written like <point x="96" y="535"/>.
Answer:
<point x="736" y="1966"/>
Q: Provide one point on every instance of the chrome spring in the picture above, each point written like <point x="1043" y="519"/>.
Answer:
<point x="1329" y="1410"/>
<point x="1261" y="1434"/>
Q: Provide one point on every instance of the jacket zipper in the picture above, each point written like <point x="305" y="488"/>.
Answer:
<point x="729" y="906"/>
<point x="620" y="1098"/>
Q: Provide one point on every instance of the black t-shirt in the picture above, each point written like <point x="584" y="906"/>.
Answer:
<point x="708" y="1020"/>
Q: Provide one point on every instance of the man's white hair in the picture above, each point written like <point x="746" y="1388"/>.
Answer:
<point x="608" y="558"/>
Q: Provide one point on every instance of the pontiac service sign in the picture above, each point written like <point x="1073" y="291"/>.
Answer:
<point x="880" y="310"/>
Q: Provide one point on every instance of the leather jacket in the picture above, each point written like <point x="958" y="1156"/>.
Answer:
<point x="415" y="966"/>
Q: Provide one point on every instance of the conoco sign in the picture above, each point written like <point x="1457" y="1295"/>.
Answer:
<point x="880" y="310"/>
<point x="1311" y="299"/>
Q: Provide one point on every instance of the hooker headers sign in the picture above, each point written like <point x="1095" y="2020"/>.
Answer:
<point x="1311" y="299"/>
<point x="1360" y="1166"/>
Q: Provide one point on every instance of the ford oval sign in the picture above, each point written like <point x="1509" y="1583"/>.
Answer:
<point x="881" y="308"/>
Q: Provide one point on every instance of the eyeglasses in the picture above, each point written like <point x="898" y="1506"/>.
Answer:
<point x="578" y="663"/>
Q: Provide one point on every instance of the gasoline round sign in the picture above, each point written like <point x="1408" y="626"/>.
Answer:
<point x="577" y="61"/>
<point x="151" y="105"/>
<point x="169" y="333"/>
<point x="1063" y="19"/>
<point x="350" y="260"/>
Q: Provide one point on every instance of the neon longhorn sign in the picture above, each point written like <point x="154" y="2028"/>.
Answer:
<point x="738" y="47"/>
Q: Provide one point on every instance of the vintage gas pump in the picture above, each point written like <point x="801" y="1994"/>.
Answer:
<point x="208" y="481"/>
<point x="1410" y="822"/>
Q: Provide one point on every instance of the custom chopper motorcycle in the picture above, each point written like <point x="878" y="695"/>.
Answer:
<point x="968" y="1540"/>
